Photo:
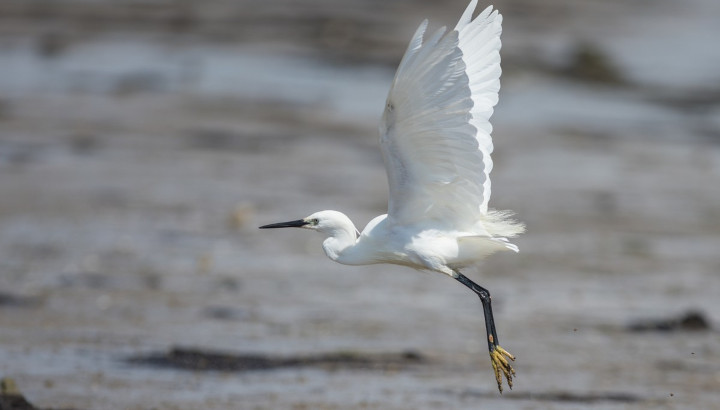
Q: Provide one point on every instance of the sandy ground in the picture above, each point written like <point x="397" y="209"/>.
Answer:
<point x="139" y="153"/>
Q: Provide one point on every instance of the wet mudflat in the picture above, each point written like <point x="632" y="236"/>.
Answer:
<point x="193" y="359"/>
<point x="141" y="148"/>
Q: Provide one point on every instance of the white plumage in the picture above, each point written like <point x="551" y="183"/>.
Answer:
<point x="436" y="145"/>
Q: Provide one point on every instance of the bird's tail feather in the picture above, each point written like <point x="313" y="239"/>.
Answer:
<point x="502" y="223"/>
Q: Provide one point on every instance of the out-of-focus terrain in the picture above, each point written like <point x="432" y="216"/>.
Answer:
<point x="142" y="143"/>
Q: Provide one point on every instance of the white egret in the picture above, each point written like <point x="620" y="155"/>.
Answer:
<point x="436" y="145"/>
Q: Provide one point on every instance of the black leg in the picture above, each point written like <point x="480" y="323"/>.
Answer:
<point x="498" y="355"/>
<point x="485" y="299"/>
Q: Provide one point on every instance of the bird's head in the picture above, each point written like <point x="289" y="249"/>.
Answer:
<point x="331" y="223"/>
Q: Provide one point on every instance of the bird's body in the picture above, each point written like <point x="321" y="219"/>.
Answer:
<point x="436" y="145"/>
<point x="419" y="246"/>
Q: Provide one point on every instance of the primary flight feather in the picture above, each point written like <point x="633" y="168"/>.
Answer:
<point x="436" y="145"/>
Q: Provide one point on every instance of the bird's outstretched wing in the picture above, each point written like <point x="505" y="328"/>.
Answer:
<point x="435" y="131"/>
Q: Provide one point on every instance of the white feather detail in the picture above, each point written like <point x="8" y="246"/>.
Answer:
<point x="435" y="131"/>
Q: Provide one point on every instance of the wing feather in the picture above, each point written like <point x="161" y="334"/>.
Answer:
<point x="435" y="131"/>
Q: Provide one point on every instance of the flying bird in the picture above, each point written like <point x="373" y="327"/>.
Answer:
<point x="436" y="145"/>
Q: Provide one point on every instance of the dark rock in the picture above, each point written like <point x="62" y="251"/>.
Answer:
<point x="690" y="321"/>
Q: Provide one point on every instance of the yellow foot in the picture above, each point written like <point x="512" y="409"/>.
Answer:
<point x="499" y="359"/>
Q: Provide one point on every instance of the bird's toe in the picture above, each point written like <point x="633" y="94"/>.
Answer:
<point x="501" y="366"/>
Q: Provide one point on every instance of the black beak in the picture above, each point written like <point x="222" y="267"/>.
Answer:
<point x="290" y="224"/>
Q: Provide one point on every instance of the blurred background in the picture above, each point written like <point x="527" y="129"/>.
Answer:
<point x="142" y="142"/>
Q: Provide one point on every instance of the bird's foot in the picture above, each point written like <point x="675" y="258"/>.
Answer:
<point x="499" y="359"/>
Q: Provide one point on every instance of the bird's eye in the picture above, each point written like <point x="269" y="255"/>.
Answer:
<point x="314" y="221"/>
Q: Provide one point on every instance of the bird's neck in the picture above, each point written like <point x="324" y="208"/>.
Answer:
<point x="339" y="242"/>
